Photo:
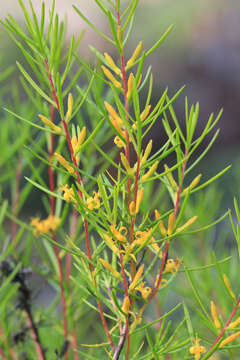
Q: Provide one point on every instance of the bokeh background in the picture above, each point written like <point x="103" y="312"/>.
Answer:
<point x="201" y="52"/>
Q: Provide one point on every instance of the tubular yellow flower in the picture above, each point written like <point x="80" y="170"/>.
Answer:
<point x="132" y="208"/>
<point x="161" y="224"/>
<point x="150" y="172"/>
<point x="50" y="124"/>
<point x="234" y="323"/>
<point x="115" y="124"/>
<point x="113" y="113"/>
<point x="139" y="199"/>
<point x="126" y="305"/>
<point x="170" y="178"/>
<point x="74" y="146"/>
<point x="171" y="223"/>
<point x="70" y="107"/>
<point x="80" y="140"/>
<point x="228" y="286"/>
<point x="135" y="55"/>
<point x="126" y="164"/>
<point x="145" y="113"/>
<point x="197" y="349"/>
<point x="120" y="35"/>
<point x="229" y="339"/>
<point x="193" y="184"/>
<point x="215" y="315"/>
<point x="110" y="77"/>
<point x="64" y="163"/>
<point x="137" y="277"/>
<point x="146" y="153"/>
<point x="110" y="268"/>
<point x="130" y="85"/>
<point x="112" y="64"/>
<point x="187" y="224"/>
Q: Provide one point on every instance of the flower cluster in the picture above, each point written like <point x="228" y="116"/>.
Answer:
<point x="45" y="226"/>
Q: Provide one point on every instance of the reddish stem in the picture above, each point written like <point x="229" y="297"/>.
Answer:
<point x="135" y="197"/>
<point x="105" y="324"/>
<point x="56" y="249"/>
<point x="164" y="257"/>
<point x="79" y="181"/>
<point x="226" y="325"/>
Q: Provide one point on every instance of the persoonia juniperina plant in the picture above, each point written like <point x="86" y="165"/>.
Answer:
<point x="116" y="208"/>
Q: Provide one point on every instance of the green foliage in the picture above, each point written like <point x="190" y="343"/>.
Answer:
<point x="123" y="240"/>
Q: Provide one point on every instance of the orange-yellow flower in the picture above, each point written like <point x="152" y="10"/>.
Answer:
<point x="46" y="225"/>
<point x="197" y="349"/>
<point x="94" y="202"/>
<point x="68" y="193"/>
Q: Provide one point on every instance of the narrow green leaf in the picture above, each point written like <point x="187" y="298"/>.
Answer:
<point x="34" y="85"/>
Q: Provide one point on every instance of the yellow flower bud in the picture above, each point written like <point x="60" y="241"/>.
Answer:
<point x="126" y="164"/>
<point x="112" y="64"/>
<point x="234" y="323"/>
<point x="228" y="286"/>
<point x="137" y="277"/>
<point x="113" y="113"/>
<point x="130" y="85"/>
<point x="80" y="139"/>
<point x="187" y="224"/>
<point x="215" y="316"/>
<point x="132" y="208"/>
<point x="64" y="163"/>
<point x="110" y="268"/>
<point x="126" y="305"/>
<point x="229" y="339"/>
<point x="70" y="107"/>
<point x="150" y="172"/>
<point x="193" y="184"/>
<point x="135" y="55"/>
<point x="139" y="199"/>
<point x="110" y="77"/>
<point x="161" y="224"/>
<point x="145" y="113"/>
<point x="146" y="153"/>
<point x="50" y="124"/>
<point x="171" y="223"/>
<point x="170" y="178"/>
<point x="120" y="35"/>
